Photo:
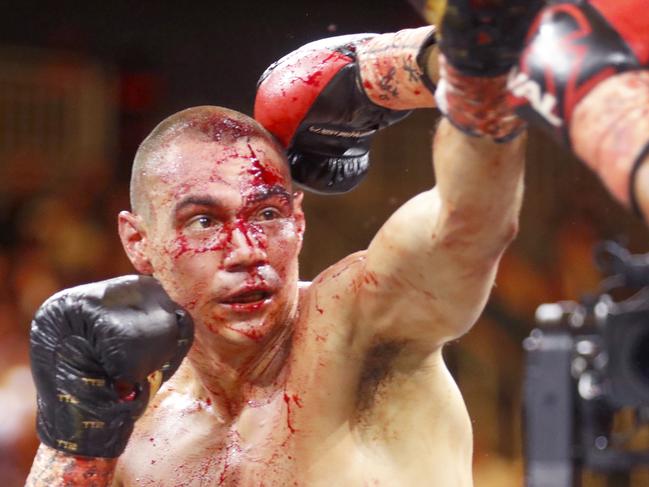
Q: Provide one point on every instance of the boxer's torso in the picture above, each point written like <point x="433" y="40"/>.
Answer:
<point x="350" y="410"/>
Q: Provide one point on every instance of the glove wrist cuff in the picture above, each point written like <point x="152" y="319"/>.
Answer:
<point x="393" y="69"/>
<point x="477" y="106"/>
<point x="90" y="440"/>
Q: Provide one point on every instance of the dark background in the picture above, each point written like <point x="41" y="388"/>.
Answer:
<point x="137" y="62"/>
<point x="172" y="55"/>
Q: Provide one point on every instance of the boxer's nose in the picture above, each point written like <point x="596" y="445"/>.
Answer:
<point x="244" y="251"/>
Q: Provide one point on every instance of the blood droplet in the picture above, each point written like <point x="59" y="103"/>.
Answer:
<point x="287" y="400"/>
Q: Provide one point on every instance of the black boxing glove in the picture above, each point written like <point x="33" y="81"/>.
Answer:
<point x="483" y="38"/>
<point x="315" y="102"/>
<point x="480" y="40"/>
<point x="97" y="351"/>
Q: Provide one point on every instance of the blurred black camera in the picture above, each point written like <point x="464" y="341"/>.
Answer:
<point x="586" y="362"/>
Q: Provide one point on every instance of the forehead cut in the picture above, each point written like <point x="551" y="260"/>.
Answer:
<point x="203" y="123"/>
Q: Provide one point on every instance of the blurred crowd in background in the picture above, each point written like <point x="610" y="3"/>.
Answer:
<point x="79" y="89"/>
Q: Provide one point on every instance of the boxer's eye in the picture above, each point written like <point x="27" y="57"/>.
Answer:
<point x="268" y="214"/>
<point x="204" y="222"/>
<point x="201" y="222"/>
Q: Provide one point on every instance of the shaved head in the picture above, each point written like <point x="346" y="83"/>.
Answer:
<point x="203" y="123"/>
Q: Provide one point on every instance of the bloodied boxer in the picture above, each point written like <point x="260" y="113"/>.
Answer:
<point x="336" y="382"/>
<point x="583" y="76"/>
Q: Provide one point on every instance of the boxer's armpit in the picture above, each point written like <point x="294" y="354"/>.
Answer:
<point x="52" y="468"/>
<point x="609" y="129"/>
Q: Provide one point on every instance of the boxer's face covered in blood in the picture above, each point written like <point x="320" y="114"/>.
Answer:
<point x="224" y="231"/>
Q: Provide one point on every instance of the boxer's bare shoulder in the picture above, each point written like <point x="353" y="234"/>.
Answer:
<point x="367" y="404"/>
<point x="370" y="405"/>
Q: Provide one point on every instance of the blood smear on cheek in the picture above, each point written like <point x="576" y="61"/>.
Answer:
<point x="181" y="246"/>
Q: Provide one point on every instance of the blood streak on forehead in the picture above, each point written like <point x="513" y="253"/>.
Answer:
<point x="234" y="154"/>
<point x="264" y="174"/>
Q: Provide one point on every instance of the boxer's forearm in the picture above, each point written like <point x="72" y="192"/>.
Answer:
<point x="52" y="468"/>
<point x="480" y="183"/>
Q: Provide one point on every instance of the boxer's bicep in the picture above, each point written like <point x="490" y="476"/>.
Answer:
<point x="52" y="468"/>
<point x="434" y="261"/>
<point x="428" y="283"/>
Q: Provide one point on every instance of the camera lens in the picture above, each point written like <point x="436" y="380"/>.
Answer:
<point x="639" y="358"/>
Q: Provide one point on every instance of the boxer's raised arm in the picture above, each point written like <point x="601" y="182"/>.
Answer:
<point x="431" y="267"/>
<point x="326" y="119"/>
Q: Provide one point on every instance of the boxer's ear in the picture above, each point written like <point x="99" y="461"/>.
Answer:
<point x="132" y="233"/>
<point x="298" y="214"/>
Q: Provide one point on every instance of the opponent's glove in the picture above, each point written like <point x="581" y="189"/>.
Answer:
<point x="480" y="41"/>
<point x="97" y="351"/>
<point x="573" y="47"/>
<point x="315" y="101"/>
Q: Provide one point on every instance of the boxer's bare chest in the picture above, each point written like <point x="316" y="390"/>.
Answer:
<point x="183" y="442"/>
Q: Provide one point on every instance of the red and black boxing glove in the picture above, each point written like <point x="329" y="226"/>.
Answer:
<point x="315" y="101"/>
<point x="571" y="47"/>
<point x="576" y="48"/>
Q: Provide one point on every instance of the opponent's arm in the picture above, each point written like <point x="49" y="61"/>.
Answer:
<point x="609" y="131"/>
<point x="583" y="77"/>
<point x="98" y="353"/>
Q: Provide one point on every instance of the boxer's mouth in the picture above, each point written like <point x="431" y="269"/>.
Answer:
<point x="248" y="296"/>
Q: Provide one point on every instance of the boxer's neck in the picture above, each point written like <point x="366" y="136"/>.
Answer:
<point x="231" y="376"/>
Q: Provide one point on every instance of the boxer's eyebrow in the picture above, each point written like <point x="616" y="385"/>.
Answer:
<point x="197" y="200"/>
<point x="268" y="192"/>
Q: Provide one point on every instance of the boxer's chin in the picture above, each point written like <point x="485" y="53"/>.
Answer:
<point x="242" y="324"/>
<point x="246" y="332"/>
